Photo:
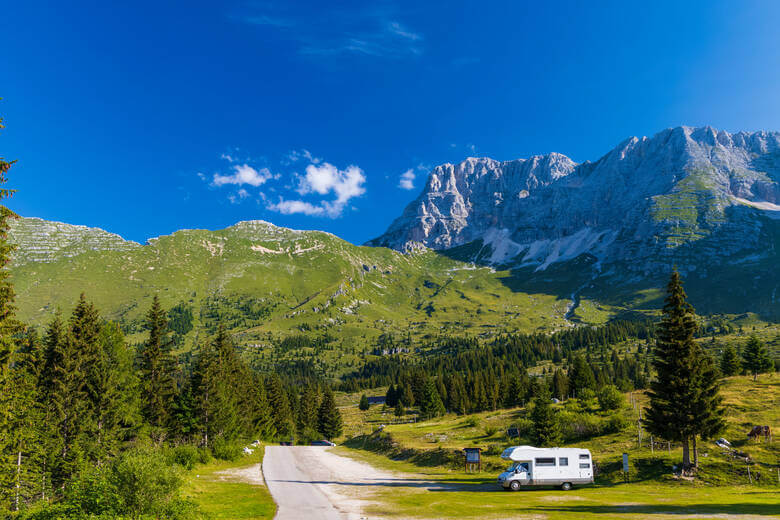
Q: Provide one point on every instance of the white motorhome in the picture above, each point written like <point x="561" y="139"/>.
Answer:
<point x="531" y="466"/>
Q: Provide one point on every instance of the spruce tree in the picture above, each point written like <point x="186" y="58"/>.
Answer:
<point x="684" y="399"/>
<point x="329" y="420"/>
<point x="157" y="368"/>
<point x="430" y="403"/>
<point x="363" y="405"/>
<point x="729" y="362"/>
<point x="560" y="384"/>
<point x="546" y="430"/>
<point x="407" y="396"/>
<point x="391" y="399"/>
<point x="399" y="409"/>
<point x="280" y="407"/>
<point x="755" y="357"/>
<point x="308" y="408"/>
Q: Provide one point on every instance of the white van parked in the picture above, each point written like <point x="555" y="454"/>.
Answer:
<point x="531" y="466"/>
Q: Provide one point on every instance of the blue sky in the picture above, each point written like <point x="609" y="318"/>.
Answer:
<point x="150" y="117"/>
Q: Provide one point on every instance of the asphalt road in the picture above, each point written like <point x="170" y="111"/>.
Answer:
<point x="293" y="474"/>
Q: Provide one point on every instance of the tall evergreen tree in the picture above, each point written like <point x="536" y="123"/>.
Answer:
<point x="546" y="430"/>
<point x="684" y="399"/>
<point x="280" y="407"/>
<point x="330" y="424"/>
<point x="430" y="403"/>
<point x="560" y="384"/>
<point x="729" y="361"/>
<point x="363" y="404"/>
<point x="157" y="368"/>
<point x="581" y="376"/>
<point x="755" y="357"/>
<point x="308" y="408"/>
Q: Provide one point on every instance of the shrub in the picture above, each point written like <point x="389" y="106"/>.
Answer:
<point x="490" y="431"/>
<point x="473" y="422"/>
<point x="610" y="398"/>
<point x="186" y="456"/>
<point x="204" y="455"/>
<point x="578" y="426"/>
<point x="144" y="484"/>
<point x="225" y="450"/>
<point x="615" y="424"/>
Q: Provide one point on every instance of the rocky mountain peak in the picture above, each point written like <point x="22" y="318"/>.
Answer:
<point x="649" y="198"/>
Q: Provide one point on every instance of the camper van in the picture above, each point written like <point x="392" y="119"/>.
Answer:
<point x="564" y="467"/>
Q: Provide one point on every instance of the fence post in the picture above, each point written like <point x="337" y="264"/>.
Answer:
<point x="749" y="476"/>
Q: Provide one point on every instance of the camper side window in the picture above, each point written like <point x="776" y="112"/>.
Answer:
<point x="584" y="465"/>
<point x="545" y="462"/>
<point x="563" y="461"/>
<point x="584" y="456"/>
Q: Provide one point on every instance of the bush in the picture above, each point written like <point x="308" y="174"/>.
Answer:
<point x="186" y="456"/>
<point x="490" y="431"/>
<point x="615" y="424"/>
<point x="610" y="398"/>
<point x="587" y="394"/>
<point x="224" y="450"/>
<point x="578" y="426"/>
<point x="472" y="421"/>
<point x="144" y="484"/>
<point x="204" y="455"/>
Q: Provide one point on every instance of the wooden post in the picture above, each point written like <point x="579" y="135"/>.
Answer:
<point x="652" y="447"/>
<point x="749" y="476"/>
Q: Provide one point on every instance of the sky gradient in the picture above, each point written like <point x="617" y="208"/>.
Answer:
<point x="150" y="117"/>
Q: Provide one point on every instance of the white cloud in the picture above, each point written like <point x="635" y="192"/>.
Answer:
<point x="397" y="29"/>
<point x="242" y="193"/>
<point x="407" y="180"/>
<point x="297" y="155"/>
<point x="326" y="178"/>
<point x="243" y="174"/>
<point x="289" y="207"/>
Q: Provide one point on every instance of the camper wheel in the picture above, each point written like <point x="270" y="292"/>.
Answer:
<point x="566" y="486"/>
<point x="514" y="485"/>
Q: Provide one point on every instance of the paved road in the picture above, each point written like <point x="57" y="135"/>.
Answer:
<point x="291" y="474"/>
<point x="313" y="482"/>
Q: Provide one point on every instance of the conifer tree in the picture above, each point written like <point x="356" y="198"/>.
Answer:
<point x="280" y="407"/>
<point x="157" y="368"/>
<point x="407" y="396"/>
<point x="363" y="405"/>
<point x="560" y="384"/>
<point x="263" y="418"/>
<point x="729" y="361"/>
<point x="399" y="409"/>
<point x="330" y="424"/>
<point x="391" y="399"/>
<point x="684" y="400"/>
<point x="581" y="377"/>
<point x="755" y="357"/>
<point x="430" y="403"/>
<point x="308" y="408"/>
<point x="546" y="430"/>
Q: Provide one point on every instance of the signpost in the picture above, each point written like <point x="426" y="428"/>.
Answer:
<point x="625" y="466"/>
<point x="472" y="459"/>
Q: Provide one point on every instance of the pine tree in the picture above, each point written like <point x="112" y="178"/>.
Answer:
<point x="430" y="403"/>
<point x="157" y="368"/>
<point x="363" y="405"/>
<point x="399" y="409"/>
<point x="755" y="357"/>
<point x="581" y="377"/>
<point x="280" y="407"/>
<point x="329" y="421"/>
<point x="560" y="384"/>
<point x="263" y="417"/>
<point x="546" y="430"/>
<point x="391" y="398"/>
<point x="307" y="413"/>
<point x="684" y="399"/>
<point x="407" y="396"/>
<point x="729" y="361"/>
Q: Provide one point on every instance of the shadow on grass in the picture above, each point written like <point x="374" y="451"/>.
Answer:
<point x="444" y="484"/>
<point x="770" y="510"/>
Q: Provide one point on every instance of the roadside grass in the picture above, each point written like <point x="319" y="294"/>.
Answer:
<point x="221" y="494"/>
